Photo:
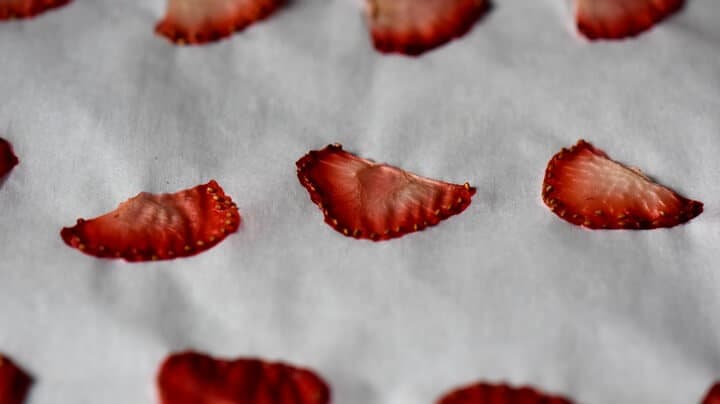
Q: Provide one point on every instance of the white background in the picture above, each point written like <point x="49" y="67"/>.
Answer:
<point x="99" y="109"/>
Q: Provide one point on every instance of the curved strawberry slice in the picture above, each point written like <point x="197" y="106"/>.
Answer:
<point x="8" y="160"/>
<point x="583" y="186"/>
<point x="484" y="393"/>
<point x="713" y="396"/>
<point x="194" y="378"/>
<point x="11" y="9"/>
<point x="615" y="19"/>
<point x="200" y="21"/>
<point x="14" y="382"/>
<point x="153" y="227"/>
<point x="362" y="199"/>
<point x="414" y="26"/>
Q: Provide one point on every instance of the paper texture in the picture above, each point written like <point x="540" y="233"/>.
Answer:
<point x="99" y="108"/>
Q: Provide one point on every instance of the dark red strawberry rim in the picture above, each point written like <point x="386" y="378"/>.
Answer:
<point x="192" y="377"/>
<point x="489" y="393"/>
<point x="11" y="9"/>
<point x="14" y="382"/>
<point x="713" y="395"/>
<point x="8" y="159"/>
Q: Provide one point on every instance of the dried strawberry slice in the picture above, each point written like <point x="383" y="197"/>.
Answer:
<point x="195" y="378"/>
<point x="484" y="393"/>
<point x="14" y="382"/>
<point x="415" y="26"/>
<point x="163" y="226"/>
<point x="200" y="21"/>
<point x="585" y="187"/>
<point x="615" y="19"/>
<point x="362" y="199"/>
<point x="11" y="9"/>
<point x="713" y="396"/>
<point x="8" y="160"/>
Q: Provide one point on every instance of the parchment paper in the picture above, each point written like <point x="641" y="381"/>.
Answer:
<point x="99" y="109"/>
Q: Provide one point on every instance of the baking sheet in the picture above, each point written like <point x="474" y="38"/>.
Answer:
<point x="99" y="108"/>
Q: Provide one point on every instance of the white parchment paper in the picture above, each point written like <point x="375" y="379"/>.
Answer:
<point x="99" y="108"/>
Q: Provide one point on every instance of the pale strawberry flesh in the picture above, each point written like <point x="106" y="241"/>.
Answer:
<point x="201" y="21"/>
<point x="8" y="160"/>
<point x="415" y="26"/>
<point x="14" y="382"/>
<point x="363" y="199"/>
<point x="162" y="226"/>
<point x="485" y="393"/>
<point x="615" y="19"/>
<point x="585" y="187"/>
<point x="11" y="9"/>
<point x="194" y="378"/>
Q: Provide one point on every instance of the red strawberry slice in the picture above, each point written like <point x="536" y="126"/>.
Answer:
<point x="615" y="19"/>
<point x="583" y="186"/>
<point x="713" y="396"/>
<point x="8" y="160"/>
<point x="194" y="378"/>
<point x="414" y="26"/>
<point x="200" y="21"/>
<point x="155" y="227"/>
<point x="14" y="382"/>
<point x="362" y="199"/>
<point x="484" y="393"/>
<point x="10" y="9"/>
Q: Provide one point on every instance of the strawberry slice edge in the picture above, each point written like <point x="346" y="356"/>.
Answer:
<point x="713" y="395"/>
<point x="190" y="377"/>
<point x="638" y="17"/>
<point x="414" y="39"/>
<point x="205" y="26"/>
<point x="689" y="208"/>
<point x="8" y="159"/>
<point x="323" y="202"/>
<point x="486" y="393"/>
<point x="219" y="209"/>
<point x="19" y="9"/>
<point x="14" y="382"/>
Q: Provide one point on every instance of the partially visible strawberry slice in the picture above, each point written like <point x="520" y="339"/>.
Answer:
<point x="195" y="378"/>
<point x="414" y="26"/>
<point x="200" y="21"/>
<point x="14" y="382"/>
<point x="362" y="199"/>
<point x="485" y="393"/>
<point x="8" y="160"/>
<point x="615" y="19"/>
<point x="583" y="186"/>
<point x="154" y="227"/>
<point x="713" y="396"/>
<point x="11" y="9"/>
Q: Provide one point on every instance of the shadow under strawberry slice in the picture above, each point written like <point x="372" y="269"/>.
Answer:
<point x="713" y="396"/>
<point x="8" y="160"/>
<point x="14" y="382"/>
<point x="485" y="393"/>
<point x="363" y="199"/>
<point x="615" y="19"/>
<point x="11" y="9"/>
<point x="195" y="378"/>
<point x="415" y="26"/>
<point x="158" y="226"/>
<point x="201" y="21"/>
<point x="585" y="187"/>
